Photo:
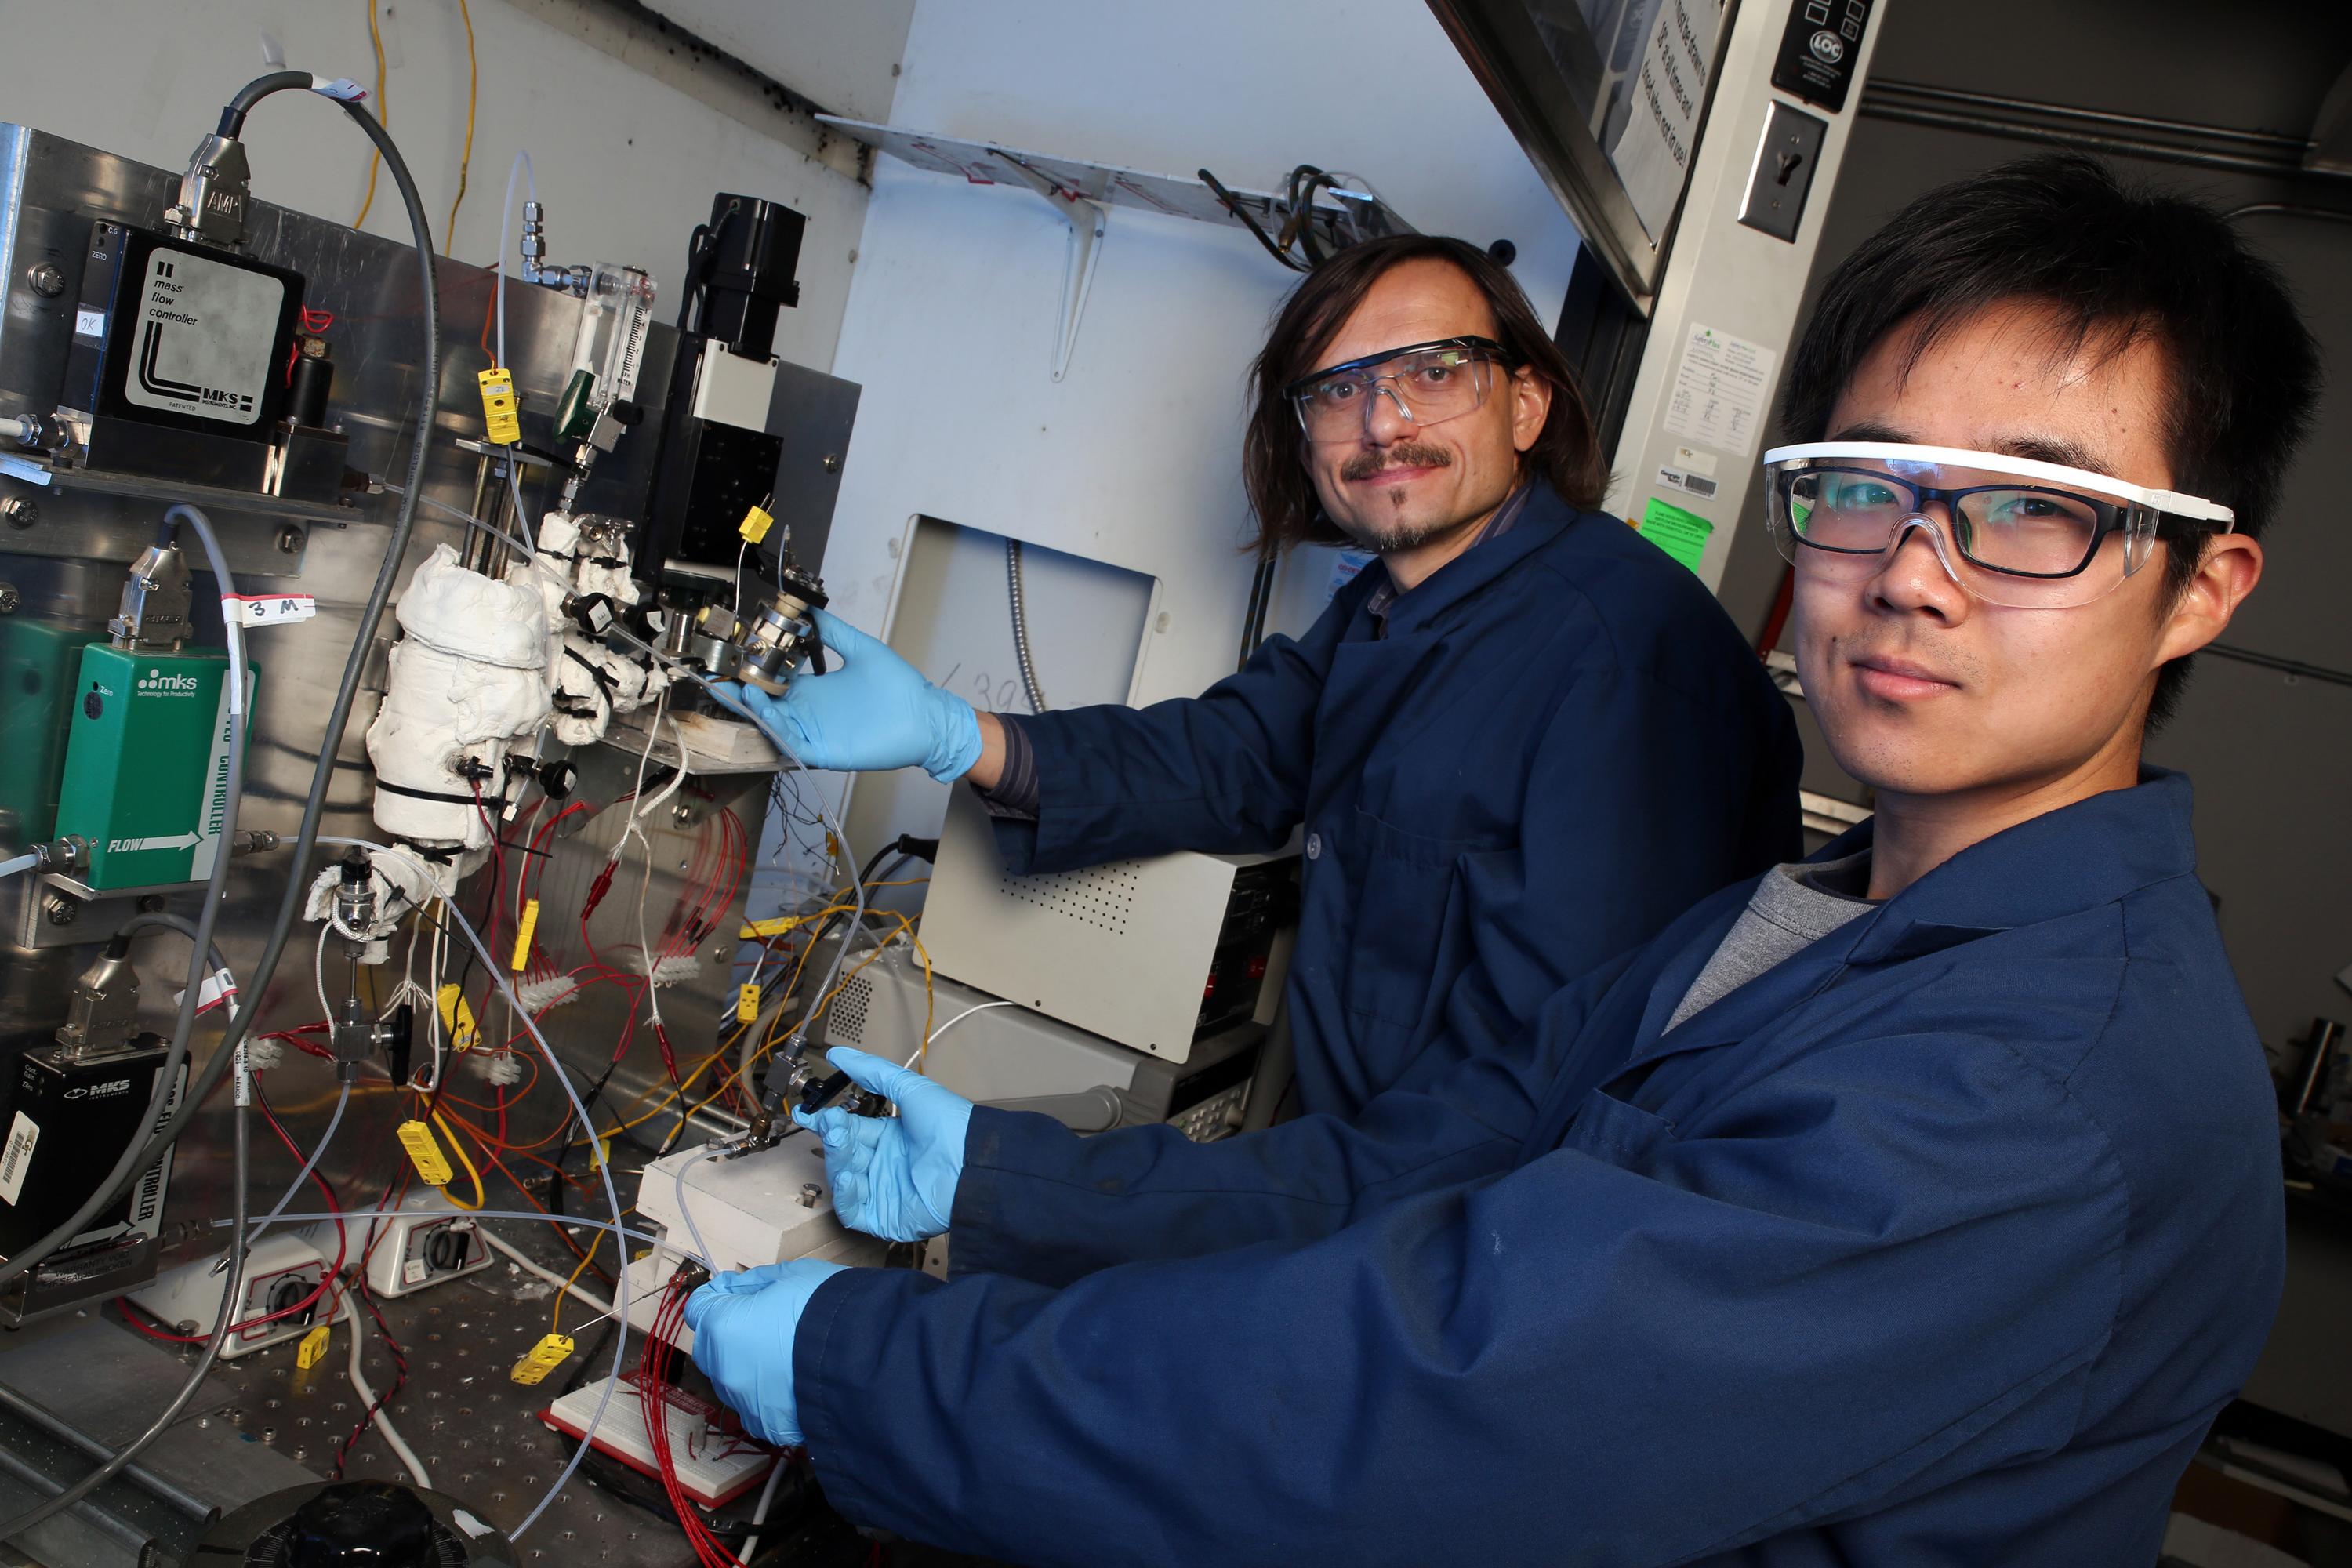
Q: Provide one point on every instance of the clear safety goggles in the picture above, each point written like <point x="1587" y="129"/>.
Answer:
<point x="1428" y="384"/>
<point x="2010" y="531"/>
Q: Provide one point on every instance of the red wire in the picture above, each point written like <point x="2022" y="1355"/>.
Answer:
<point x="653" y="1382"/>
<point x="533" y="872"/>
<point x="324" y="1281"/>
<point x="399" y="1380"/>
<point x="488" y="305"/>
<point x="562" y="1235"/>
<point x="394" y="1192"/>
<point x="497" y="895"/>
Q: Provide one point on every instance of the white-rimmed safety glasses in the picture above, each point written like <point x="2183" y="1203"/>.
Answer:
<point x="1427" y="383"/>
<point x="2010" y="531"/>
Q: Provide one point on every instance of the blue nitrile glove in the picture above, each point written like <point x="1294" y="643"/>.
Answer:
<point x="875" y="712"/>
<point x="743" y="1326"/>
<point x="893" y="1176"/>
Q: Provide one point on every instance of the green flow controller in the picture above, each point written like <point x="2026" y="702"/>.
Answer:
<point x="37" y="660"/>
<point x="146" y="774"/>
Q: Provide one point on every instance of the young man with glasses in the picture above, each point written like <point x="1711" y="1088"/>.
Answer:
<point x="1917" y="1204"/>
<point x="1520" y="743"/>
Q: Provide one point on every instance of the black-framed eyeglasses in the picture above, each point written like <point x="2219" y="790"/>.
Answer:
<point x="1428" y="384"/>
<point x="2031" y="535"/>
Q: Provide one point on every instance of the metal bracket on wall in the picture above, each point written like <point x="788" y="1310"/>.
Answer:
<point x="1084" y="192"/>
<point x="1088" y="219"/>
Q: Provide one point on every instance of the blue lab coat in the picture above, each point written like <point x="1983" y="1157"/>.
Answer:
<point x="1562" y="744"/>
<point x="1941" y="1242"/>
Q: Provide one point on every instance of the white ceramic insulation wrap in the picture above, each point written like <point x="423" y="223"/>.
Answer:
<point x="584" y="704"/>
<point x="401" y="883"/>
<point x="468" y="673"/>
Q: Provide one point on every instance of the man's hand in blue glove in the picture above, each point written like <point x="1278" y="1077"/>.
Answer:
<point x="743" y="1326"/>
<point x="893" y="1176"/>
<point x="875" y="712"/>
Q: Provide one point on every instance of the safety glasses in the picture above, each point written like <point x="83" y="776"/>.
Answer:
<point x="1428" y="384"/>
<point x="2010" y="531"/>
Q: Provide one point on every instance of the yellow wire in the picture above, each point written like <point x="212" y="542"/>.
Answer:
<point x="466" y="158"/>
<point x="770" y="1044"/>
<point x="923" y="1045"/>
<point x="458" y="1149"/>
<point x="382" y="112"/>
<point x="555" y="1321"/>
<point x="818" y="1011"/>
<point x="783" y="925"/>
<point x="687" y="1083"/>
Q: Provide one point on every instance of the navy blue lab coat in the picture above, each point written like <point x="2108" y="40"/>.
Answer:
<point x="1941" y="1242"/>
<point x="1562" y="744"/>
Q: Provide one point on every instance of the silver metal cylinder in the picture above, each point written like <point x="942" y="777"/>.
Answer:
<point x="2327" y="1039"/>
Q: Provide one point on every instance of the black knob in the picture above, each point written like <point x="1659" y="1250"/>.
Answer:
<point x="286" y="1293"/>
<point x="624" y="412"/>
<point x="446" y="1249"/>
<point x="399" y="1035"/>
<point x="353" y="1523"/>
<point x="592" y="612"/>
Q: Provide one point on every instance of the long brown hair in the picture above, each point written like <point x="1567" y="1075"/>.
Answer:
<point x="1567" y="453"/>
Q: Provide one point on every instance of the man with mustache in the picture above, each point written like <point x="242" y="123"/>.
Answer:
<point x="1917" y="1204"/>
<point x="1518" y="745"/>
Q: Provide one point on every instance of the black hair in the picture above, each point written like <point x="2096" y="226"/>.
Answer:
<point x="1566" y="451"/>
<point x="2114" y="266"/>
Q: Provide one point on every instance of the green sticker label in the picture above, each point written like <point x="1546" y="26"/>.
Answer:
<point x="1681" y="534"/>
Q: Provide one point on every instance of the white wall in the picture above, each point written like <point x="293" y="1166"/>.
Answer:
<point x="626" y="163"/>
<point x="1134" y="457"/>
<point x="843" y="57"/>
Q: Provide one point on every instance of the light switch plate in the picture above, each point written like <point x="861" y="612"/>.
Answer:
<point x="1782" y="175"/>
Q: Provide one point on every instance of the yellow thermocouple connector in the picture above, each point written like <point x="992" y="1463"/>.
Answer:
<point x="432" y="1165"/>
<point x="756" y="523"/>
<point x="457" y="1017"/>
<point x="523" y="928"/>
<point x="313" y="1346"/>
<point x="500" y="412"/>
<point x="541" y="1359"/>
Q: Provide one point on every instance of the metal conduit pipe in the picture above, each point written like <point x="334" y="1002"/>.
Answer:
<point x="2294" y="667"/>
<point x="66" y="1432"/>
<point x="2016" y="120"/>
<point x="2292" y="145"/>
<point x="2288" y="209"/>
<point x="2051" y="136"/>
<point x="1022" y="655"/>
